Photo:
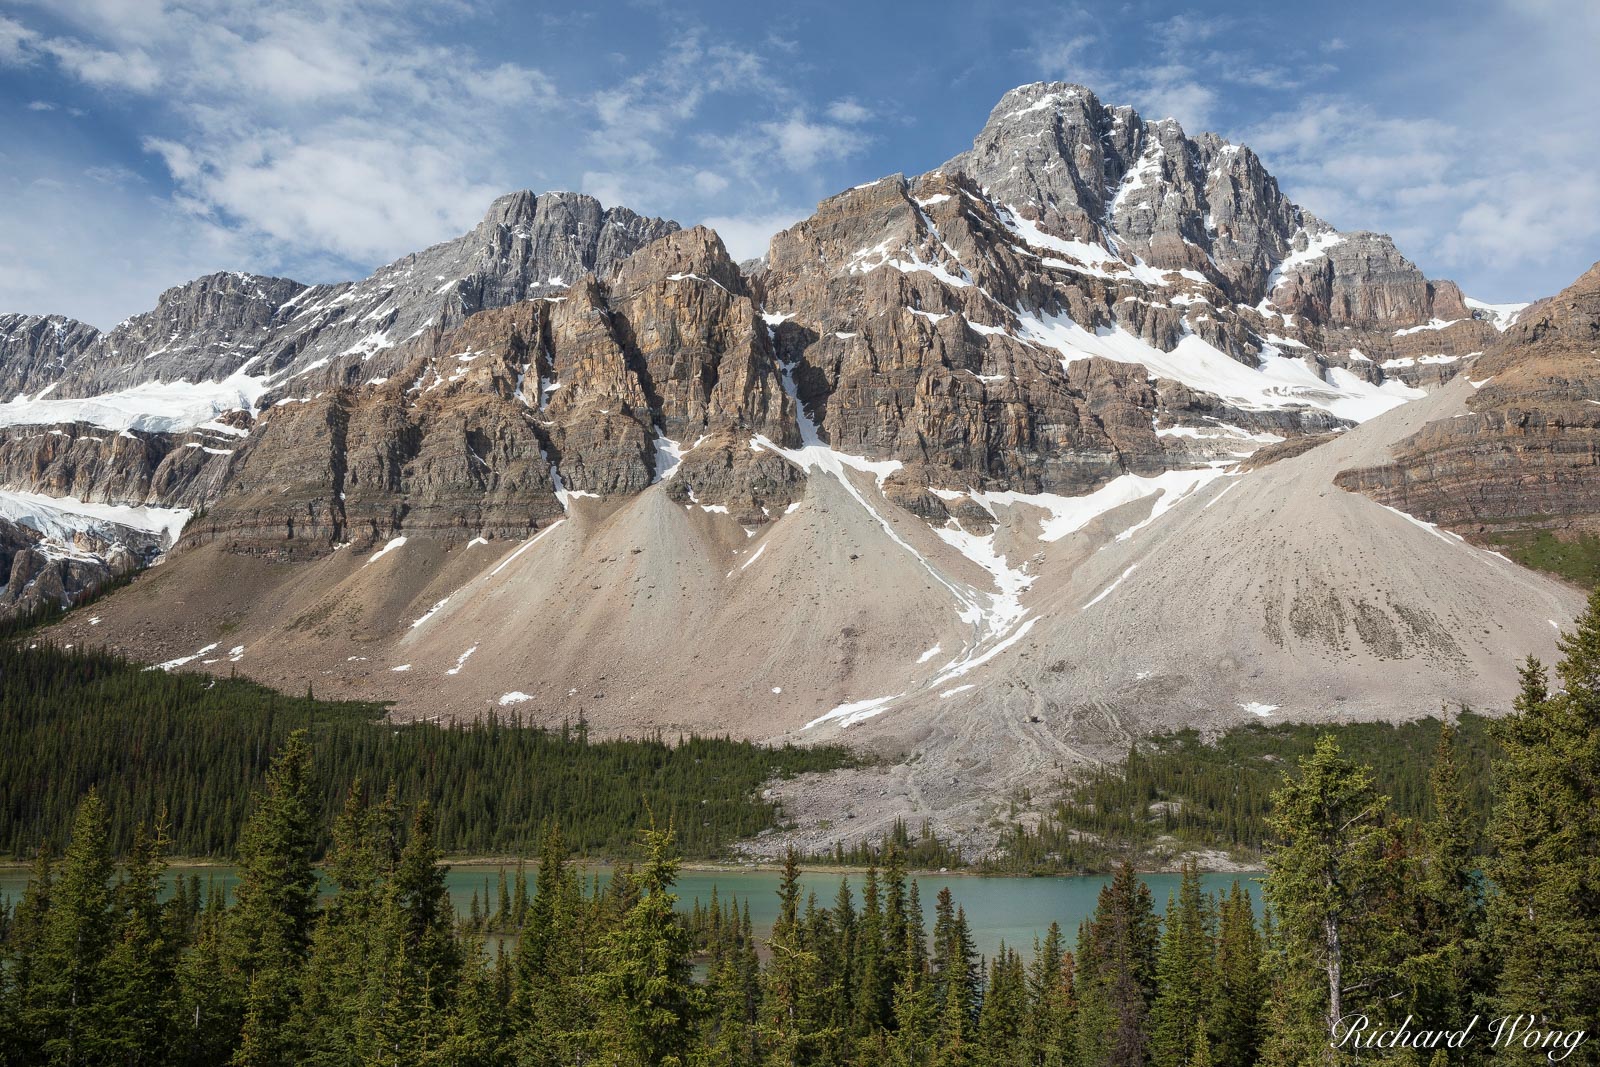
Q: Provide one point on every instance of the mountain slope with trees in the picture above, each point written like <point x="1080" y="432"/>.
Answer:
<point x="1369" y="916"/>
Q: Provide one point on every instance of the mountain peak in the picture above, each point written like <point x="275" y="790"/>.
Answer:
<point x="526" y="207"/>
<point x="1041" y="96"/>
<point x="1148" y="193"/>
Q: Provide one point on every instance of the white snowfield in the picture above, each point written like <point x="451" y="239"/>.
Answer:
<point x="1317" y="246"/>
<point x="59" y="518"/>
<point x="1276" y="382"/>
<point x="1069" y="514"/>
<point x="150" y="407"/>
<point x="1500" y="316"/>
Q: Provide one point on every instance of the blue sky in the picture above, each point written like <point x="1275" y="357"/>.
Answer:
<point x="143" y="142"/>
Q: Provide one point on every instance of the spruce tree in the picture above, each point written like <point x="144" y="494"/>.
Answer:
<point x="915" y="1014"/>
<point x="896" y="941"/>
<point x="1447" y="971"/>
<point x="394" y="1025"/>
<point x="549" y="1002"/>
<point x="208" y="1023"/>
<point x="794" y="1026"/>
<point x="69" y="972"/>
<point x="1049" y="1031"/>
<point x="1116" y="967"/>
<point x="141" y="970"/>
<point x="21" y="1040"/>
<point x="276" y="901"/>
<point x="648" y="1002"/>
<point x="519" y="897"/>
<point x="1234" y="1015"/>
<point x="872" y="995"/>
<point x="1326" y="878"/>
<point x="729" y="1036"/>
<point x="955" y="986"/>
<point x="422" y="899"/>
<point x="839" y="965"/>
<point x="475" y="1031"/>
<point x="999" y="1040"/>
<point x="338" y="969"/>
<point x="1545" y="918"/>
<point x="1185" y="977"/>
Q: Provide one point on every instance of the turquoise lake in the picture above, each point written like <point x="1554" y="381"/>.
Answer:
<point x="1009" y="910"/>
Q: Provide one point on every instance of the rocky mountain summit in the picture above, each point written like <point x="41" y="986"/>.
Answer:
<point x="1103" y="176"/>
<point x="268" y="332"/>
<point x="489" y="429"/>
<point x="1004" y="464"/>
<point x="38" y="348"/>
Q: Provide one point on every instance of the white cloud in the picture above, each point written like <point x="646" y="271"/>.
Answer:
<point x="1062" y="57"/>
<point x="313" y="130"/>
<point x="124" y="22"/>
<point x="359" y="196"/>
<point x="317" y="138"/>
<point x="1172" y="92"/>
<point x="848" y="111"/>
<point x="99" y="252"/>
<point x="15" y="39"/>
<point x="747" y="236"/>
<point x="1489" y="218"/>
<point x="639" y="117"/>
<point x="803" y="144"/>
<point x="113" y="175"/>
<point x="133" y="69"/>
<point x="653" y="149"/>
<point x="709" y="183"/>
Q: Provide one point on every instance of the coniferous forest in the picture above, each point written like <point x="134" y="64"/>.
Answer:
<point x="1378" y="927"/>
<point x="1181" y="790"/>
<point x="195" y="747"/>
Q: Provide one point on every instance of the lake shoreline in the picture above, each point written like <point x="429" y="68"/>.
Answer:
<point x="725" y="867"/>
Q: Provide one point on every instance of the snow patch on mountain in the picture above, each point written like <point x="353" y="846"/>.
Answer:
<point x="59" y="518"/>
<point x="1500" y="316"/>
<point x="1069" y="514"/>
<point x="151" y="407"/>
<point x="1317" y="246"/>
<point x="1277" y="382"/>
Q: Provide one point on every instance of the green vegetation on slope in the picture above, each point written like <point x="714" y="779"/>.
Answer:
<point x="1217" y="794"/>
<point x="1577" y="560"/>
<point x="195" y="746"/>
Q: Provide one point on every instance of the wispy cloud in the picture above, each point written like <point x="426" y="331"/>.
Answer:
<point x="317" y="138"/>
<point x="16" y="40"/>
<point x="849" y="112"/>
<point x="341" y="128"/>
<point x="747" y="236"/>
<point x="802" y="143"/>
<point x="650" y="143"/>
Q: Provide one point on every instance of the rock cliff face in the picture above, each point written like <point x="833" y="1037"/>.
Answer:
<point x="37" y="350"/>
<point x="1526" y="457"/>
<point x="40" y="577"/>
<point x="489" y="429"/>
<point x="1091" y="173"/>
<point x="1083" y="297"/>
<point x="127" y="468"/>
<point x="921" y="324"/>
<point x="1104" y="176"/>
<point x="1002" y="464"/>
<point x="278" y="331"/>
<point x="152" y="412"/>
